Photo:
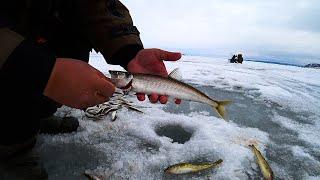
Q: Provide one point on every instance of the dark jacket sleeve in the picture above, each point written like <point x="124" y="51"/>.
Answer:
<point x="23" y="77"/>
<point x="26" y="71"/>
<point x="109" y="27"/>
<point x="9" y="40"/>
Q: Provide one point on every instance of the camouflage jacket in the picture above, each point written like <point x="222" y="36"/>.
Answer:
<point x="107" y="24"/>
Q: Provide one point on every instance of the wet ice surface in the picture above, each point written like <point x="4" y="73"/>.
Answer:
<point x="276" y="107"/>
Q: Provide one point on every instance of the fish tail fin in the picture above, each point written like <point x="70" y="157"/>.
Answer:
<point x="221" y="109"/>
<point x="219" y="161"/>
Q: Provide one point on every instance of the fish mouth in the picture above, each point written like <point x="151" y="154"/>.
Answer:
<point x="127" y="87"/>
<point x="167" y="170"/>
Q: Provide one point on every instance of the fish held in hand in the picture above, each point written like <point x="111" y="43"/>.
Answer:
<point x="263" y="164"/>
<point x="170" y="86"/>
<point x="185" y="168"/>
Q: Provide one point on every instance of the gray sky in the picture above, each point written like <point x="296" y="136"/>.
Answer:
<point x="254" y="27"/>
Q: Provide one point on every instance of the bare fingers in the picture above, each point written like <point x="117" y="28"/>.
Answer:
<point x="163" y="99"/>
<point x="177" y="101"/>
<point x="141" y="96"/>
<point x="154" y="98"/>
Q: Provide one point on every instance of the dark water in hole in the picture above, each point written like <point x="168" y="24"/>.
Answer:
<point x="175" y="132"/>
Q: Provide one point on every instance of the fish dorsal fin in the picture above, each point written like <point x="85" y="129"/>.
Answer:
<point x="175" y="74"/>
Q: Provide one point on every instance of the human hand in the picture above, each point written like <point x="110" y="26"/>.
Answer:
<point x="150" y="61"/>
<point x="76" y="84"/>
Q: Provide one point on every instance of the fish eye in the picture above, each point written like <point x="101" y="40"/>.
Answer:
<point x="121" y="75"/>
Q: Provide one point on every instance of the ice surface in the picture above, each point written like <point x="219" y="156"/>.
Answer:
<point x="274" y="106"/>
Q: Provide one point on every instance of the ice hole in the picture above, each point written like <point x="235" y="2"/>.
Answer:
<point x="175" y="132"/>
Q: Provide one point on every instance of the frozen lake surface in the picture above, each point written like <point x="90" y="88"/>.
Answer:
<point x="274" y="106"/>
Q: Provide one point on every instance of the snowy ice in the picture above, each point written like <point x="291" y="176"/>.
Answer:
<point x="275" y="107"/>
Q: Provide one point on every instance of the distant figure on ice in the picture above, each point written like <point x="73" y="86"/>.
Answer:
<point x="233" y="59"/>
<point x="236" y="59"/>
<point x="239" y="58"/>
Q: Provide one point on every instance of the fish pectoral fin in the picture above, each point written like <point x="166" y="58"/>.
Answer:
<point x="221" y="108"/>
<point x="175" y="74"/>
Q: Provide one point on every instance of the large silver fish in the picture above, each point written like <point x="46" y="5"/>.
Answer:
<point x="170" y="86"/>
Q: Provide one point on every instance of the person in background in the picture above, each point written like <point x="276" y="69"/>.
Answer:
<point x="233" y="59"/>
<point x="44" y="54"/>
<point x="239" y="58"/>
